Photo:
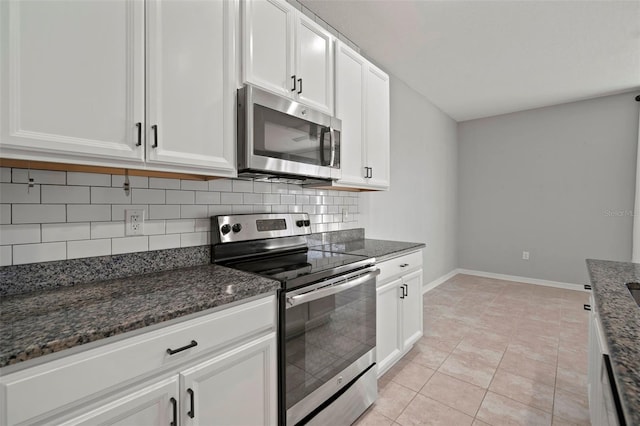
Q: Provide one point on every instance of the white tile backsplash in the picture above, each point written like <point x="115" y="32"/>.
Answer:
<point x="55" y="194"/>
<point x="129" y="244"/>
<point x="147" y="196"/>
<point x="14" y="193"/>
<point x="88" y="213"/>
<point x="134" y="181"/>
<point x="19" y="234"/>
<point x="109" y="196"/>
<point x="88" y="179"/>
<point x="195" y="239"/>
<point x="107" y="230"/>
<point x="88" y="248"/>
<point x="194" y="185"/>
<point x="180" y="226"/>
<point x="45" y="177"/>
<point x="5" y="214"/>
<point x="45" y="252"/>
<point x="221" y="185"/>
<point x="181" y="197"/>
<point x="5" y="174"/>
<point x="162" y="242"/>
<point x="230" y="198"/>
<point x="207" y="197"/>
<point x="38" y="213"/>
<point x="162" y="183"/>
<point x="193" y="211"/>
<point x="164" y="212"/>
<point x="65" y="232"/>
<point x="5" y="255"/>
<point x="85" y="216"/>
<point x="242" y="186"/>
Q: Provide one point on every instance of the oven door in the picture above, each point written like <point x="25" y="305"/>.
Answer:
<point x="329" y="341"/>
<point x="281" y="136"/>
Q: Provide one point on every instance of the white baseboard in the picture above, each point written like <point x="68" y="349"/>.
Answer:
<point x="435" y="283"/>
<point x="526" y="280"/>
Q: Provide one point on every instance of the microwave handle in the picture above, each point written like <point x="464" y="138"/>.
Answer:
<point x="323" y="132"/>
<point x="332" y="141"/>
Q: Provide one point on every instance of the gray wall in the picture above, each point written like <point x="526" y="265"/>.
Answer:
<point x="422" y="202"/>
<point x="557" y="181"/>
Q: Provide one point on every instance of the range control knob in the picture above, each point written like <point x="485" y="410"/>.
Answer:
<point x="225" y="229"/>
<point x="307" y="223"/>
<point x="300" y="223"/>
<point x="237" y="227"/>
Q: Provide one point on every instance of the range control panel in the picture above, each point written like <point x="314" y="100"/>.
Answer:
<point x="246" y="227"/>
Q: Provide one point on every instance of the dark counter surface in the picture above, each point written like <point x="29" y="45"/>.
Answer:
<point x="43" y="322"/>
<point x="380" y="249"/>
<point x="620" y="318"/>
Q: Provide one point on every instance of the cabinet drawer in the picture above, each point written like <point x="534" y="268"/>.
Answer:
<point x="395" y="267"/>
<point x="80" y="377"/>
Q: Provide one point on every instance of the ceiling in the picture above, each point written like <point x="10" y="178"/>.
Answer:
<point x="477" y="59"/>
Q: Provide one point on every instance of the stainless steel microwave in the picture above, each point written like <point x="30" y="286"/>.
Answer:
<point x="283" y="138"/>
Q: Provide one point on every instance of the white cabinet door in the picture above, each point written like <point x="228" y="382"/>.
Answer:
<point x="268" y="45"/>
<point x="152" y="405"/>
<point x="191" y="78"/>
<point x="237" y="388"/>
<point x="314" y="65"/>
<point x="287" y="53"/>
<point x="350" y="94"/>
<point x="388" y="318"/>
<point x="73" y="84"/>
<point x="412" y="309"/>
<point x="377" y="127"/>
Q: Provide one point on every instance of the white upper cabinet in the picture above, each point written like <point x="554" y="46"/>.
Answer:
<point x="377" y="138"/>
<point x="75" y="83"/>
<point x="287" y="53"/>
<point x="362" y="103"/>
<point x="191" y="84"/>
<point x="350" y="98"/>
<point x="72" y="79"/>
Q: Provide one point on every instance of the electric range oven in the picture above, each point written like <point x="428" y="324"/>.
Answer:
<point x="327" y="315"/>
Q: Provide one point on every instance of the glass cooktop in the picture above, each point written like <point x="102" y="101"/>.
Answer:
<point x="294" y="267"/>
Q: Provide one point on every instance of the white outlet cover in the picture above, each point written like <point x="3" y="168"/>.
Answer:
<point x="134" y="222"/>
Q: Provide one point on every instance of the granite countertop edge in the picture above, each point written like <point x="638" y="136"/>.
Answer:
<point x="620" y="318"/>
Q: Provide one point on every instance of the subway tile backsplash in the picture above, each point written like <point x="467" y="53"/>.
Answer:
<point x="69" y="215"/>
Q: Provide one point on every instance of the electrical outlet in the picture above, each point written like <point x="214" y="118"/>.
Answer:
<point x="134" y="222"/>
<point x="345" y="214"/>
<point x="525" y="255"/>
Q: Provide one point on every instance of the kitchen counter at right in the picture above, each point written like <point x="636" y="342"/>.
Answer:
<point x="380" y="249"/>
<point x="620" y="318"/>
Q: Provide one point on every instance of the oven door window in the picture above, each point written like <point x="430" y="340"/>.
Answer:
<point x="324" y="336"/>
<point x="282" y="136"/>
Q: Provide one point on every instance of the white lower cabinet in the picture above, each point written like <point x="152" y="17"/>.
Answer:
<point x="236" y="388"/>
<point x="602" y="408"/>
<point x="228" y="377"/>
<point x="399" y="308"/>
<point x="151" y="405"/>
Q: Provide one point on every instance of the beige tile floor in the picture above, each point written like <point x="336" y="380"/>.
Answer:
<point x="493" y="353"/>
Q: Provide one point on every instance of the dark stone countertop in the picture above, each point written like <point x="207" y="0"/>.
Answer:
<point x="620" y="318"/>
<point x="380" y="249"/>
<point x="43" y="322"/>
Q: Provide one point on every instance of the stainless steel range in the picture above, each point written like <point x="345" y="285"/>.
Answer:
<point x="327" y="315"/>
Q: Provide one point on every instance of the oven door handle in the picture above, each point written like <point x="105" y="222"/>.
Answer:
<point x="327" y="289"/>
